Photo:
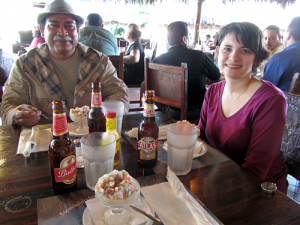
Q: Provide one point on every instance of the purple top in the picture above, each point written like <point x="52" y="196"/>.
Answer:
<point x="36" y="41"/>
<point x="252" y="136"/>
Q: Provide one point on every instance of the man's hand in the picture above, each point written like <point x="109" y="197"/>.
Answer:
<point x="26" y="115"/>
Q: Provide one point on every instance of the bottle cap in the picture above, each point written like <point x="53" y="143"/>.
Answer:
<point x="111" y="114"/>
<point x="269" y="188"/>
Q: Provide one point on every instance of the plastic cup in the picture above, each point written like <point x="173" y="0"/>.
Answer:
<point x="181" y="139"/>
<point x="118" y="107"/>
<point x="98" y="151"/>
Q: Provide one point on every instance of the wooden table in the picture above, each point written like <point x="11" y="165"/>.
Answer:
<point x="232" y="194"/>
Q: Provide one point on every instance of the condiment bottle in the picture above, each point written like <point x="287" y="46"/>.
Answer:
<point x="148" y="133"/>
<point x="62" y="152"/>
<point x="96" y="117"/>
<point x="111" y="128"/>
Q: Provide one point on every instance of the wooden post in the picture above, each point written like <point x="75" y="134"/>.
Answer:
<point x="197" y="24"/>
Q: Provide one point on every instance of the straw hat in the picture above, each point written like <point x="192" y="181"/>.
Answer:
<point x="59" y="6"/>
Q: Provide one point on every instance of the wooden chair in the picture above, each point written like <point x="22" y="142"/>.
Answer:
<point x="6" y="62"/>
<point x="295" y="85"/>
<point x="170" y="84"/>
<point x="117" y="61"/>
<point x="290" y="145"/>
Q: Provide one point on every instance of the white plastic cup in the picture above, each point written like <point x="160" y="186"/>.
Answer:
<point x="98" y="151"/>
<point x="118" y="107"/>
<point x="181" y="139"/>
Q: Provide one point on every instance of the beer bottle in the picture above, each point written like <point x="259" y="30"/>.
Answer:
<point x="62" y="152"/>
<point x="111" y="128"/>
<point x="148" y="133"/>
<point x="96" y="118"/>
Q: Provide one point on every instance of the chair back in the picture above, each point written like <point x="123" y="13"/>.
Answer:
<point x="117" y="61"/>
<point x="6" y="62"/>
<point x="170" y="84"/>
<point x="290" y="145"/>
<point x="295" y="85"/>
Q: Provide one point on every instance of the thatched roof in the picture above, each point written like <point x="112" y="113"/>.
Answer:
<point x="281" y="3"/>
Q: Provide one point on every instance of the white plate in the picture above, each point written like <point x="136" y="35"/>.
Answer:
<point x="198" y="152"/>
<point x="87" y="219"/>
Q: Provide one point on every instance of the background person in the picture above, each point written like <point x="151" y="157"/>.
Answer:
<point x="133" y="72"/>
<point x="282" y="66"/>
<point x="272" y="43"/>
<point x="199" y="65"/>
<point x="37" y="38"/>
<point x="61" y="69"/>
<point x="242" y="116"/>
<point x="95" y="36"/>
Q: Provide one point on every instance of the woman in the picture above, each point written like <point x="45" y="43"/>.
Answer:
<point x="134" y="56"/>
<point x="242" y="116"/>
<point x="37" y="38"/>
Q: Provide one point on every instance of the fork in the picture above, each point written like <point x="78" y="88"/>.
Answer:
<point x="45" y="116"/>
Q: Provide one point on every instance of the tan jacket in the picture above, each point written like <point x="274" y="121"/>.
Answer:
<point x="33" y="81"/>
<point x="278" y="48"/>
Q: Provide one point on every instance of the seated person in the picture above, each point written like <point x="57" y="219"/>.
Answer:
<point x="37" y="38"/>
<point x="243" y="116"/>
<point x="95" y="36"/>
<point x="199" y="65"/>
<point x="61" y="69"/>
<point x="133" y="72"/>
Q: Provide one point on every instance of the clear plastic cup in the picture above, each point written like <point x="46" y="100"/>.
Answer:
<point x="181" y="139"/>
<point x="98" y="151"/>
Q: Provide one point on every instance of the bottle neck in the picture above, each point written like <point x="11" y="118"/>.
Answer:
<point x="149" y="112"/>
<point x="60" y="125"/>
<point x="96" y="100"/>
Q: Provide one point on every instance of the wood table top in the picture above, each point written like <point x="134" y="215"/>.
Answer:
<point x="231" y="193"/>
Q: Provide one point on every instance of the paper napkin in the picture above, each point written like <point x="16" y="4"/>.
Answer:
<point x="174" y="205"/>
<point x="161" y="135"/>
<point x="40" y="138"/>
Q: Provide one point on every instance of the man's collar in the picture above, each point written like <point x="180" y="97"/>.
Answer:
<point x="177" y="47"/>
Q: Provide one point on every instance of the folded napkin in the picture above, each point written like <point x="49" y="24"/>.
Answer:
<point x="96" y="209"/>
<point x="34" y="139"/>
<point x="174" y="205"/>
<point x="161" y="135"/>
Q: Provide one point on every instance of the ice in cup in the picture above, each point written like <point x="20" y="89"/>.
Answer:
<point x="98" y="151"/>
<point x="181" y="139"/>
<point x="118" y="107"/>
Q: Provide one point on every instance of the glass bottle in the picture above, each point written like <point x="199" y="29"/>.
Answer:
<point x="111" y="128"/>
<point x="96" y="117"/>
<point x="148" y="133"/>
<point x="62" y="152"/>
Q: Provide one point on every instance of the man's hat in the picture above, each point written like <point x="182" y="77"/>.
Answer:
<point x="59" y="6"/>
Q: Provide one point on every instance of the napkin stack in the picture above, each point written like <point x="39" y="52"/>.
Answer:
<point x="37" y="137"/>
<point x="161" y="135"/>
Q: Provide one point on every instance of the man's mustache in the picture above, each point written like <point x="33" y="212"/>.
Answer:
<point x="62" y="38"/>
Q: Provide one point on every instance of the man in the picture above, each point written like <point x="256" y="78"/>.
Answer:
<point x="200" y="67"/>
<point x="282" y="66"/>
<point x="272" y="43"/>
<point x="95" y="36"/>
<point x="61" y="69"/>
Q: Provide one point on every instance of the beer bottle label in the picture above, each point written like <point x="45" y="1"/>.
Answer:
<point x="60" y="125"/>
<point x="96" y="100"/>
<point x="67" y="171"/>
<point x="149" y="110"/>
<point x="147" y="147"/>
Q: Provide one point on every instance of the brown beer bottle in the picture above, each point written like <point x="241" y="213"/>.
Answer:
<point x="148" y="133"/>
<point x="96" y="118"/>
<point x="62" y="152"/>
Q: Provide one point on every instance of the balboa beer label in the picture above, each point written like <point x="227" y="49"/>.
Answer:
<point x="149" y="110"/>
<point x="96" y="100"/>
<point x="147" y="147"/>
<point x="67" y="171"/>
<point x="60" y="125"/>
